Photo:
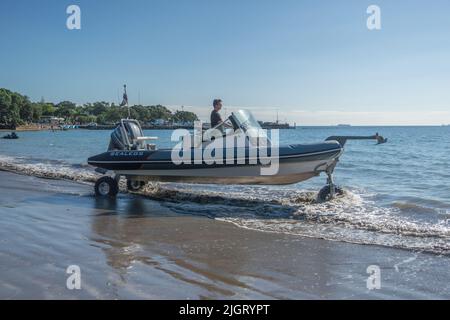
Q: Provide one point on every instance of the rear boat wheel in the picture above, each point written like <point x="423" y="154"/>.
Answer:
<point x="135" y="185"/>
<point x="106" y="187"/>
<point x="325" y="193"/>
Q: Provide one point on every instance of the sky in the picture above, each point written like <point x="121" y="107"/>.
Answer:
<point x="315" y="62"/>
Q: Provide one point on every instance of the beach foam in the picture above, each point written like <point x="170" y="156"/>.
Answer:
<point x="354" y="217"/>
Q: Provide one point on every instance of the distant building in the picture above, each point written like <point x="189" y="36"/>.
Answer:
<point x="158" y="122"/>
<point x="188" y="123"/>
<point x="51" y="120"/>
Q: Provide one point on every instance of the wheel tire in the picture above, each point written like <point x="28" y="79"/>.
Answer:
<point x="106" y="187"/>
<point x="325" y="193"/>
<point x="134" y="185"/>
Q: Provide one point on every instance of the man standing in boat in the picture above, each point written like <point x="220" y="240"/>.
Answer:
<point x="216" y="119"/>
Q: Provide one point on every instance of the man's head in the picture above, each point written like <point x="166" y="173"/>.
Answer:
<point x="217" y="104"/>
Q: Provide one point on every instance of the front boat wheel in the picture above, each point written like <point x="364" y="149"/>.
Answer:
<point x="325" y="193"/>
<point x="106" y="187"/>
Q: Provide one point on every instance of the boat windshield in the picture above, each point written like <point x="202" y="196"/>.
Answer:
<point x="247" y="122"/>
<point x="240" y="121"/>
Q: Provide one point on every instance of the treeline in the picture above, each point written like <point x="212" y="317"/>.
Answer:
<point x="17" y="109"/>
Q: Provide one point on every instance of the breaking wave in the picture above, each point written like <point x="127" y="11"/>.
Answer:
<point x="350" y="218"/>
<point x="48" y="169"/>
<point x="354" y="217"/>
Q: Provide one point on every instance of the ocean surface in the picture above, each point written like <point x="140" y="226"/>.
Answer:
<point x="396" y="194"/>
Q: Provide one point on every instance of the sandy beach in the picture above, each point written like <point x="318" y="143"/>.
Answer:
<point x="25" y="128"/>
<point x="133" y="247"/>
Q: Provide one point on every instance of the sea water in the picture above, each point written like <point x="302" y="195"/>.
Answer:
<point x="396" y="194"/>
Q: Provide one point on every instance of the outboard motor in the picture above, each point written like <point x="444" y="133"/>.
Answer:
<point x="116" y="142"/>
<point x="125" y="136"/>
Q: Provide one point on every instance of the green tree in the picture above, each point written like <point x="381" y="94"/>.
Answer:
<point x="160" y="112"/>
<point x="48" y="109"/>
<point x="99" y="108"/>
<point x="5" y="107"/>
<point x="65" y="109"/>
<point x="66" y="105"/>
<point x="184" y="116"/>
<point x="85" y="119"/>
<point x="10" y="105"/>
<point x="16" y="109"/>
<point x="26" y="111"/>
<point x="113" y="115"/>
<point x="37" y="111"/>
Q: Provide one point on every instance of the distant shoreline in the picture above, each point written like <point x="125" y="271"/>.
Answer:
<point x="111" y="127"/>
<point x="32" y="127"/>
<point x="81" y="127"/>
<point x="108" y="127"/>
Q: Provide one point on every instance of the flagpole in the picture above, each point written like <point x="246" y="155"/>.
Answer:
<point x="125" y="100"/>
<point x="128" y="106"/>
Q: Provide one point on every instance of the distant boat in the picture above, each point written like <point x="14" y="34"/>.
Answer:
<point x="344" y="125"/>
<point x="275" y="125"/>
<point x="66" y="127"/>
<point x="11" y="136"/>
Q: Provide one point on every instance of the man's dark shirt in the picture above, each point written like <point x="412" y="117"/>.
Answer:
<point x="215" y="118"/>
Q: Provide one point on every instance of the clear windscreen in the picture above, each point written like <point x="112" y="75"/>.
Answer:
<point x="247" y="122"/>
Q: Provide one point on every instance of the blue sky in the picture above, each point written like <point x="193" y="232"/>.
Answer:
<point x="314" y="61"/>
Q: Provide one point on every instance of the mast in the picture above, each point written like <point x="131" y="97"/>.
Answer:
<point x="125" y="96"/>
<point x="125" y="100"/>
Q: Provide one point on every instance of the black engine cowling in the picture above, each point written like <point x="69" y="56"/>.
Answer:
<point x="124" y="136"/>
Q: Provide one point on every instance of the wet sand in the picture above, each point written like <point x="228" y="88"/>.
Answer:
<point x="137" y="248"/>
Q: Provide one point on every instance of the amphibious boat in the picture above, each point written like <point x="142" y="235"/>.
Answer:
<point x="214" y="157"/>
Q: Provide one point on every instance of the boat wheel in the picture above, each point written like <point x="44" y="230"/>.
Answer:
<point x="325" y="193"/>
<point x="106" y="187"/>
<point x="135" y="185"/>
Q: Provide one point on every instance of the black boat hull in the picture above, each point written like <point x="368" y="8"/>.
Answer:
<point x="295" y="163"/>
